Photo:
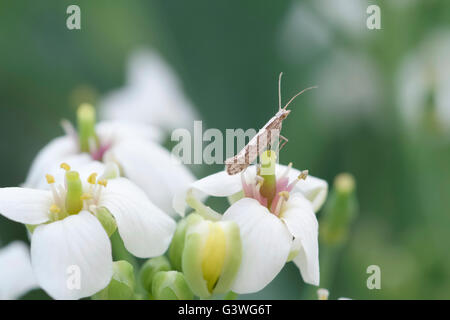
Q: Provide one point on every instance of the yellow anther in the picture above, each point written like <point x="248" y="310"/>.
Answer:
<point x="303" y="175"/>
<point x="65" y="166"/>
<point x="86" y="196"/>
<point x="284" y="194"/>
<point x="55" y="209"/>
<point x="50" y="178"/>
<point x="103" y="182"/>
<point x="92" y="178"/>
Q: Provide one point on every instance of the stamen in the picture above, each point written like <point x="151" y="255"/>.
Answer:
<point x="65" y="166"/>
<point x="50" y="179"/>
<point x="286" y="172"/>
<point x="283" y="197"/>
<point x="103" y="182"/>
<point x="245" y="186"/>
<point x="92" y="178"/>
<point x="302" y="176"/>
<point x="55" y="209"/>
<point x="86" y="196"/>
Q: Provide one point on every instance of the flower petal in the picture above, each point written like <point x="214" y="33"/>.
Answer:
<point x="16" y="276"/>
<point x="220" y="184"/>
<point x="314" y="189"/>
<point x="57" y="149"/>
<point x="25" y="205"/>
<point x="152" y="168"/>
<point x="266" y="243"/>
<point x="302" y="223"/>
<point x="145" y="229"/>
<point x="72" y="258"/>
<point x="111" y="132"/>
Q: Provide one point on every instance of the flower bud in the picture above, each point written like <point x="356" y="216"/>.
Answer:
<point x="211" y="256"/>
<point x="177" y="244"/>
<point x="122" y="284"/>
<point x="340" y="211"/>
<point x="150" y="268"/>
<point x="170" y="285"/>
<point x="107" y="220"/>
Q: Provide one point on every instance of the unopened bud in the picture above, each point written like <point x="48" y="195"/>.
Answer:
<point x="340" y="211"/>
<point x="211" y="256"/>
<point x="150" y="268"/>
<point x="171" y="285"/>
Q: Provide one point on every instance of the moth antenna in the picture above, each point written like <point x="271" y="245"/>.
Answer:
<point x="293" y="98"/>
<point x="279" y="91"/>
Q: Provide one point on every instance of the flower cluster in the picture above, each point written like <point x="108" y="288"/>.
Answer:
<point x="109" y="187"/>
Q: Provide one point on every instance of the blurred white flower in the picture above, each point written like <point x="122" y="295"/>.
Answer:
<point x="271" y="234"/>
<point x="322" y="294"/>
<point x="348" y="16"/>
<point x="303" y="35"/>
<point x="71" y="222"/>
<point x="424" y="82"/>
<point x="131" y="146"/>
<point x="152" y="94"/>
<point x="16" y="276"/>
<point x="349" y="87"/>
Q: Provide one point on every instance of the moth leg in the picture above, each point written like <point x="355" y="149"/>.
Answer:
<point x="285" y="141"/>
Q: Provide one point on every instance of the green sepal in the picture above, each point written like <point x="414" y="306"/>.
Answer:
<point x="107" y="220"/>
<point x="122" y="284"/>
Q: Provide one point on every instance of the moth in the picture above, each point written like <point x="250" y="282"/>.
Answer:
<point x="264" y="138"/>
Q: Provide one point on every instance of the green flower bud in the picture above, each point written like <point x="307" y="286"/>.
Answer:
<point x="86" y="127"/>
<point x="340" y="211"/>
<point x="171" y="285"/>
<point x="150" y="268"/>
<point x="211" y="256"/>
<point x="107" y="220"/>
<point x="122" y="284"/>
<point x="177" y="245"/>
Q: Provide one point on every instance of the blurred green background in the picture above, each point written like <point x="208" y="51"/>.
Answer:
<point x="228" y="55"/>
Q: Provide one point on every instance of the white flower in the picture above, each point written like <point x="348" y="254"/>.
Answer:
<point x="152" y="95"/>
<point x="16" y="276"/>
<point x="270" y="236"/>
<point x="144" y="162"/>
<point x="69" y="240"/>
<point x="424" y="83"/>
<point x="350" y="86"/>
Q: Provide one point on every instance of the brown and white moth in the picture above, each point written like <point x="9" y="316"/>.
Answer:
<point x="264" y="138"/>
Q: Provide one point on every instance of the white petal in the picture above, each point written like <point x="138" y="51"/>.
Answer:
<point x="72" y="258"/>
<point x="152" y="168"/>
<point x="220" y="184"/>
<point x="25" y="205"/>
<point x="75" y="161"/>
<point x="112" y="132"/>
<point x="302" y="223"/>
<point x="53" y="152"/>
<point x="314" y="189"/>
<point x="145" y="229"/>
<point x="266" y="243"/>
<point x="16" y="276"/>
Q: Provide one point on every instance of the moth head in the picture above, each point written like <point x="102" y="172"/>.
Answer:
<point x="283" y="113"/>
